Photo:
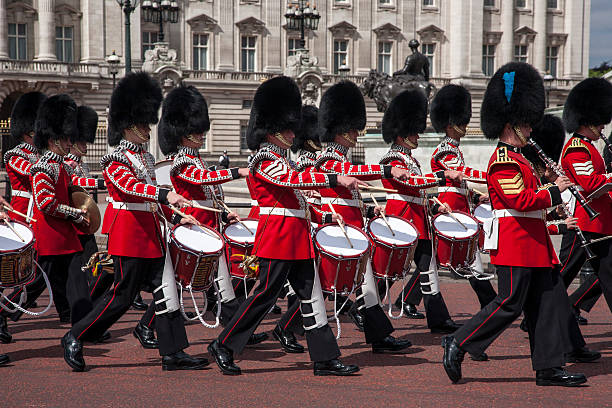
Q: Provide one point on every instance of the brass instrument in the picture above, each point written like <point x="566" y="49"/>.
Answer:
<point x="79" y="198"/>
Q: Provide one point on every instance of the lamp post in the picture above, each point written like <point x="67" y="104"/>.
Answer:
<point x="160" y="12"/>
<point x="113" y="65"/>
<point x="548" y="79"/>
<point x="128" y="6"/>
<point x="301" y="17"/>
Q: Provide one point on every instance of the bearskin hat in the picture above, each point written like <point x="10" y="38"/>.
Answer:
<point x="308" y="129"/>
<point x="452" y="105"/>
<point x="184" y="112"/>
<point x="342" y="109"/>
<point x="588" y="103"/>
<point x="277" y="106"/>
<point x="515" y="95"/>
<point x="406" y="115"/>
<point x="134" y="101"/>
<point x="87" y="124"/>
<point x="23" y="115"/>
<point x="549" y="134"/>
<point x="56" y="119"/>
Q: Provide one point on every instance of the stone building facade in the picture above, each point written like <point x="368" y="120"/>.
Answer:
<point x="227" y="47"/>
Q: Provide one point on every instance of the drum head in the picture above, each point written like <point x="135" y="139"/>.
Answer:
<point x="237" y="233"/>
<point x="405" y="233"/>
<point x="331" y="239"/>
<point x="483" y="212"/>
<point x="11" y="242"/>
<point x="195" y="239"/>
<point x="447" y="226"/>
<point x="162" y="173"/>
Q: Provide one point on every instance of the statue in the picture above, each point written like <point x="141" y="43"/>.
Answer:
<point x="382" y="88"/>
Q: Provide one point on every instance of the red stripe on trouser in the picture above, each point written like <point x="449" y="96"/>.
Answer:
<point x="491" y="315"/>
<point x="95" y="284"/>
<point x="292" y="316"/>
<point x="587" y="291"/>
<point x="410" y="290"/>
<point x="152" y="317"/>
<point x="569" y="255"/>
<point x="250" y="304"/>
<point x="109" y="303"/>
<point x="236" y="287"/>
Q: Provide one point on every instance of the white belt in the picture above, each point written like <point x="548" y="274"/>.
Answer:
<point x="254" y="203"/>
<point x="284" y="212"/>
<point x="145" y="207"/>
<point x="204" y="203"/>
<point x="341" y="201"/>
<point x="514" y="213"/>
<point x="20" y="193"/>
<point x="457" y="190"/>
<point x="314" y="200"/>
<point x="407" y="198"/>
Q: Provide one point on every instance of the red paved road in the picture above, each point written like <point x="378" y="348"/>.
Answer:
<point x="121" y="373"/>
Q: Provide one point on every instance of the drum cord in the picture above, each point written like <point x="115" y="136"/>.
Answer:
<point x="199" y="315"/>
<point x="390" y="311"/>
<point x="24" y="296"/>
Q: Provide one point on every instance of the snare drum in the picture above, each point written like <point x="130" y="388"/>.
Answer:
<point x="483" y="213"/>
<point x="162" y="173"/>
<point x="195" y="255"/>
<point x="392" y="254"/>
<point x="341" y="268"/>
<point x="239" y="244"/>
<point x="16" y="255"/>
<point x="456" y="246"/>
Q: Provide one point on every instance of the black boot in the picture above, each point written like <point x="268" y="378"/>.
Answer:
<point x="73" y="352"/>
<point x="257" y="338"/>
<point x="224" y="358"/>
<point x="448" y="327"/>
<point x="523" y="325"/>
<point x="356" y="317"/>
<point x="452" y="359"/>
<point x="411" y="312"/>
<point x="5" y="336"/>
<point x="287" y="340"/>
<point x="334" y="367"/>
<point x="138" y="304"/>
<point x="4" y="359"/>
<point x="583" y="355"/>
<point x="479" y="357"/>
<point x="557" y="376"/>
<point x="391" y="344"/>
<point x="145" y="336"/>
<point x="182" y="361"/>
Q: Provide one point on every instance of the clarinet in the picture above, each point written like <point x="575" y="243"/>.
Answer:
<point x="592" y="214"/>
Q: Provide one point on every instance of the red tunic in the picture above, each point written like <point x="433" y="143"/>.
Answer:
<point x="448" y="156"/>
<point x="512" y="185"/>
<point x="54" y="229"/>
<point x="79" y="173"/>
<point x="254" y="213"/>
<point x="333" y="160"/>
<point x="191" y="178"/>
<point x="276" y="187"/>
<point x="398" y="204"/>
<point x="134" y="233"/>
<point x="18" y="162"/>
<point x="585" y="167"/>
<point x="306" y="162"/>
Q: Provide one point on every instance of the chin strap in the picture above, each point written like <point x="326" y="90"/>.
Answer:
<point x="79" y="151"/>
<point x="409" y="143"/>
<point x="460" y="131"/>
<point x="139" y="134"/>
<point x="282" y="139"/>
<point x="62" y="152"/>
<point x="520" y="135"/>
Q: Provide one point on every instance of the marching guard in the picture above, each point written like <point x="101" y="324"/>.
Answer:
<point x="513" y="103"/>
<point x="131" y="217"/>
<point x="283" y="242"/>
<point x="587" y="110"/>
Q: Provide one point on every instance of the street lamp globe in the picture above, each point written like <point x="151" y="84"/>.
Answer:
<point x="174" y="12"/>
<point x="113" y="61"/>
<point x="314" y="19"/>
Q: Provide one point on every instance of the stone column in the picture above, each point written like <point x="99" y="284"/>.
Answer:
<point x="3" y="31"/>
<point x="577" y="26"/>
<point x="475" y="36"/>
<point x="92" y="40"/>
<point x="506" y="52"/>
<point x="362" y="47"/>
<point x="274" y="47"/>
<point x="46" y="31"/>
<point x="459" y="33"/>
<point x="225" y="38"/>
<point x="539" y="43"/>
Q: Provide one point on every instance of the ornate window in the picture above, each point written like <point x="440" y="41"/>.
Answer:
<point x="149" y="38"/>
<point x="520" y="53"/>
<point x="488" y="59"/>
<point x="243" y="139"/>
<point x="520" y="3"/>
<point x="489" y="3"/>
<point x="293" y="44"/>
<point x="384" y="56"/>
<point x="429" y="50"/>
<point x="64" y="38"/>
<point x="429" y="3"/>
<point x="552" y="4"/>
<point x="552" y="57"/>
<point x="17" y="40"/>
<point x="340" y="54"/>
<point x="248" y="49"/>
<point x="342" y="33"/>
<point x="200" y="52"/>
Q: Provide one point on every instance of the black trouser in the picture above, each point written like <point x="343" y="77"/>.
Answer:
<point x="103" y="280"/>
<point x="539" y="293"/>
<point x="273" y="273"/>
<point x="572" y="257"/>
<point x="68" y="283"/>
<point x="130" y="274"/>
<point x="483" y="289"/>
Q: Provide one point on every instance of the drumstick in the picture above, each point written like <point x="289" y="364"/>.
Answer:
<point x="240" y="222"/>
<point x="475" y="180"/>
<point x="201" y="207"/>
<point x="374" y="188"/>
<point x="191" y="218"/>
<point x="331" y="207"/>
<point x="478" y="191"/>
<point x="450" y="213"/>
<point x="8" y="224"/>
<point x="28" y="218"/>
<point x="382" y="214"/>
<point x="416" y="176"/>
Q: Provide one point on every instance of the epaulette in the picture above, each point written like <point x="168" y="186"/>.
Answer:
<point x="446" y="147"/>
<point x="44" y="165"/>
<point x="116" y="156"/>
<point x="18" y="151"/>
<point x="261" y="155"/>
<point x="502" y="157"/>
<point x="181" y="160"/>
<point x="329" y="154"/>
<point x="576" y="143"/>
<point x="305" y="159"/>
<point x="412" y="164"/>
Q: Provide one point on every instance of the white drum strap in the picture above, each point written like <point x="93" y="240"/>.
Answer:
<point x="317" y="303"/>
<point x="369" y="288"/>
<point x="30" y="207"/>
<point x="224" y="281"/>
<point x="168" y="287"/>
<point x="433" y="280"/>
<point x="142" y="169"/>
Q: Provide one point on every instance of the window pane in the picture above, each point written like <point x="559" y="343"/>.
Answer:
<point x="12" y="29"/>
<point x="552" y="4"/>
<point x="243" y="60"/>
<point x="21" y="29"/>
<point x="58" y="32"/>
<point x="521" y="3"/>
<point x="12" y="48"/>
<point x="244" y="42"/>
<point x="68" y="50"/>
<point x="68" y="32"/>
<point x="59" y="50"/>
<point x="22" y="48"/>
<point x="196" y="59"/>
<point x="251" y="41"/>
<point x="251" y="60"/>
